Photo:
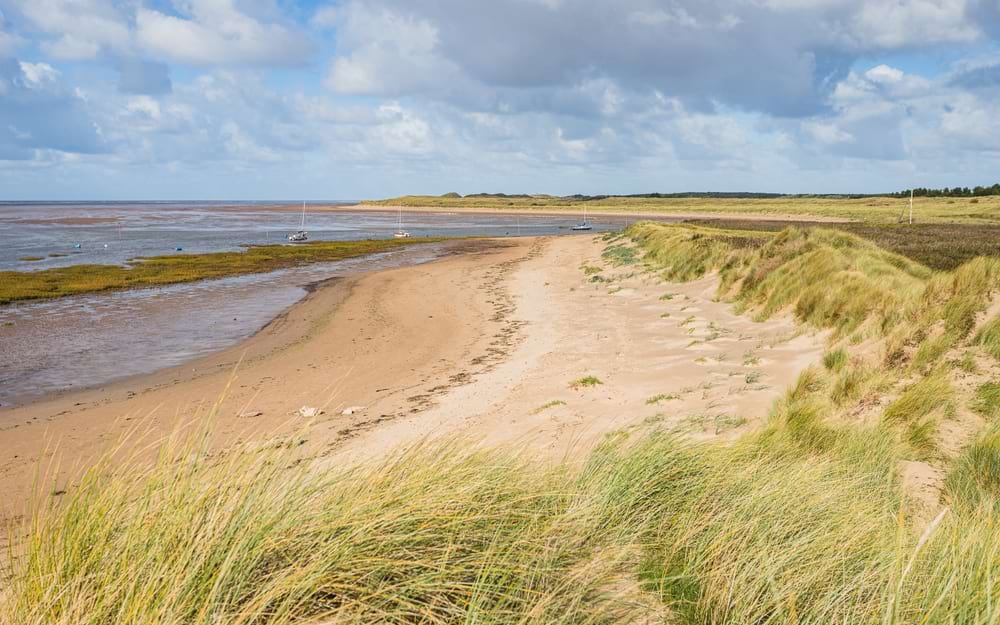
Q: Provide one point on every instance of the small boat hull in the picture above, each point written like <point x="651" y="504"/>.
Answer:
<point x="401" y="235"/>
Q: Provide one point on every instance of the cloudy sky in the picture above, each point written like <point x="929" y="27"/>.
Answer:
<point x="277" y="99"/>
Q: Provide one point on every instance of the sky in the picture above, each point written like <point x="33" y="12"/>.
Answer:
<point x="352" y="99"/>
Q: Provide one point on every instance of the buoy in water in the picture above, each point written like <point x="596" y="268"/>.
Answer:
<point x="179" y="249"/>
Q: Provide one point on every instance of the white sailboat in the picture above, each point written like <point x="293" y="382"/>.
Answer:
<point x="301" y="236"/>
<point x="583" y="225"/>
<point x="400" y="233"/>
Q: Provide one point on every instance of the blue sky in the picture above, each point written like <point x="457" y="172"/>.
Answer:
<point x="275" y="99"/>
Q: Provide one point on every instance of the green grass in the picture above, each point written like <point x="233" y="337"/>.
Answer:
<point x="974" y="481"/>
<point x="655" y="399"/>
<point x="828" y="279"/>
<point x="989" y="337"/>
<point x="163" y="270"/>
<point x="922" y="399"/>
<point x="547" y="405"/>
<point x="585" y="382"/>
<point x="987" y="400"/>
<point x="852" y="383"/>
<point x="589" y="270"/>
<point x="835" y="360"/>
<point x="967" y="363"/>
<point x="757" y="532"/>
<point x="618" y="255"/>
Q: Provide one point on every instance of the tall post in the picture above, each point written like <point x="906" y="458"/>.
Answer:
<point x="911" y="207"/>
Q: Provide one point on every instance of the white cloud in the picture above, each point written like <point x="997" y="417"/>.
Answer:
<point x="38" y="74"/>
<point x="81" y="28"/>
<point x="389" y="53"/>
<point x="895" y="23"/>
<point x="660" y="17"/>
<point x="827" y="133"/>
<point x="216" y="32"/>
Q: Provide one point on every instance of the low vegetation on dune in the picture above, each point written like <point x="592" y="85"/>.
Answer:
<point x="647" y="529"/>
<point x="163" y="270"/>
<point x="942" y="246"/>
<point x="876" y="210"/>
<point x="809" y="518"/>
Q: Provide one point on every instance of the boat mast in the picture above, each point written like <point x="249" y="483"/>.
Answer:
<point x="302" y="226"/>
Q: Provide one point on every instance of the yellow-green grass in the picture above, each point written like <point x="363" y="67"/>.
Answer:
<point x="989" y="337"/>
<point x="585" y="382"/>
<point x="163" y="270"/>
<point x="647" y="527"/>
<point x="974" y="480"/>
<point x="942" y="246"/>
<point x="547" y="405"/>
<point x="871" y="209"/>
<point x="987" y="400"/>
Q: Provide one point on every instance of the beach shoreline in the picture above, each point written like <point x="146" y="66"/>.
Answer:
<point x="475" y="344"/>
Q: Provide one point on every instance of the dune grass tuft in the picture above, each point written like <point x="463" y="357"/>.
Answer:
<point x="661" y="397"/>
<point x="974" y="481"/>
<point x="987" y="400"/>
<point x="547" y="405"/>
<point x="585" y="382"/>
<point x="989" y="337"/>
<point x="922" y="399"/>
<point x="834" y="360"/>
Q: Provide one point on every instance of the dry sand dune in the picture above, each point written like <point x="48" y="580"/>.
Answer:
<point x="484" y="344"/>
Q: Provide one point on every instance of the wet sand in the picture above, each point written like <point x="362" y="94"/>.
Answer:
<point x="472" y="345"/>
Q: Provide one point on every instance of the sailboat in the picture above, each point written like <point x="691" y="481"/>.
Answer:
<point x="583" y="225"/>
<point x="400" y="233"/>
<point x="301" y="236"/>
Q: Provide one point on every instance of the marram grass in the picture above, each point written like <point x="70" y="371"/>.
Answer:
<point x="646" y="530"/>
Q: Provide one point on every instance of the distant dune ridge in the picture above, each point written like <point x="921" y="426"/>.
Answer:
<point x="881" y="209"/>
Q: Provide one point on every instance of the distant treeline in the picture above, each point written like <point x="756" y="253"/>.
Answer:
<point x="954" y="192"/>
<point x="688" y="194"/>
<point x="743" y="195"/>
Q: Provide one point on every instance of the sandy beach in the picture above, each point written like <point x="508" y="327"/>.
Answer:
<point x="483" y="344"/>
